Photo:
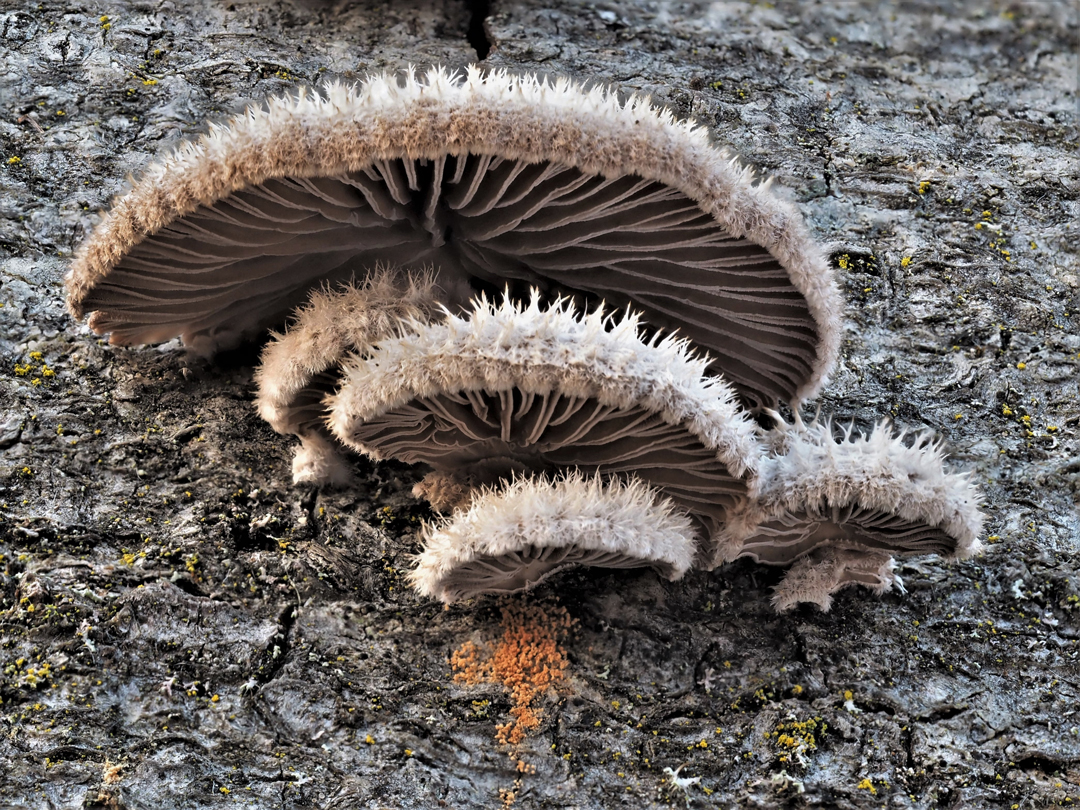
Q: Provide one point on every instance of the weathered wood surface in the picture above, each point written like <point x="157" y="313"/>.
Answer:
<point x="173" y="608"/>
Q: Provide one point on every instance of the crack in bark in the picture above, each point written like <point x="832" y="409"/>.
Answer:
<point x="477" y="33"/>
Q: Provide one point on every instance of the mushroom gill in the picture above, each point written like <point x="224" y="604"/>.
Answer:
<point x="509" y="389"/>
<point x="515" y="536"/>
<point x="491" y="177"/>
<point x="877" y="495"/>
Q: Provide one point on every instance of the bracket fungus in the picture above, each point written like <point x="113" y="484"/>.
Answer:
<point x="822" y="502"/>
<point x="510" y="389"/>
<point x="513" y="537"/>
<point x="301" y="366"/>
<point x="815" y="577"/>
<point x="454" y="185"/>
<point x="491" y="177"/>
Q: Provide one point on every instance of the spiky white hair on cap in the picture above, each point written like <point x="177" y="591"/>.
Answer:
<point x="514" y="537"/>
<point x="299" y="158"/>
<point x="333" y="323"/>
<point x="539" y="349"/>
<point x="893" y="486"/>
<point x="300" y="366"/>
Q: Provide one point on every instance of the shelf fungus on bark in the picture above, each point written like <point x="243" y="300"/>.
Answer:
<point x="516" y="535"/>
<point x="491" y="177"/>
<point x="302" y="366"/>
<point x="511" y="389"/>
<point x="840" y="507"/>
<point x="815" y="577"/>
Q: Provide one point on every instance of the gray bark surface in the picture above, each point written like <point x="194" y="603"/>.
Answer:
<point x="181" y="628"/>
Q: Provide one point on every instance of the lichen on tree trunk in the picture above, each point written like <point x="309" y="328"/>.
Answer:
<point x="179" y="627"/>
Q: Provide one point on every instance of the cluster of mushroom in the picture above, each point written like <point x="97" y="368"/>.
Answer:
<point x="569" y="307"/>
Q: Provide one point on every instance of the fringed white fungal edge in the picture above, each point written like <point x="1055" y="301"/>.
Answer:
<point x="820" y="574"/>
<point x="332" y="324"/>
<point x="615" y="517"/>
<point x="538" y="350"/>
<point x="439" y="113"/>
<point x="809" y="469"/>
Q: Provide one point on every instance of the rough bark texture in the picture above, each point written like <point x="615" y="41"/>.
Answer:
<point x="182" y="628"/>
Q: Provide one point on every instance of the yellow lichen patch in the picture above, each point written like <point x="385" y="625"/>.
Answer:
<point x="793" y="738"/>
<point x="527" y="660"/>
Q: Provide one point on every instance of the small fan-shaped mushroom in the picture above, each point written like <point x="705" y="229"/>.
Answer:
<point x="490" y="177"/>
<point x="511" y="389"/>
<point x="514" y="537"/>
<point x="301" y="367"/>
<point x="874" y="494"/>
<point x="821" y="573"/>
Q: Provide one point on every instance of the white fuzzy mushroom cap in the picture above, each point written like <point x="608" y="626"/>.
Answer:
<point x="819" y="575"/>
<point x="348" y="130"/>
<point x="515" y="537"/>
<point x="300" y="366"/>
<point x="810" y="474"/>
<point x="332" y="324"/>
<point x="539" y="350"/>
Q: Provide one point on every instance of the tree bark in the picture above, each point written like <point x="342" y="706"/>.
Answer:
<point x="181" y="628"/>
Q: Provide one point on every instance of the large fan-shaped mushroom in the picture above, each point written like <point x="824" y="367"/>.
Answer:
<point x="301" y="367"/>
<point x="514" y="537"/>
<point x="875" y="494"/>
<point x="491" y="178"/>
<point x="510" y="389"/>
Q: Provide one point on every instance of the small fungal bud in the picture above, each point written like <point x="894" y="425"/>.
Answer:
<point x="822" y="501"/>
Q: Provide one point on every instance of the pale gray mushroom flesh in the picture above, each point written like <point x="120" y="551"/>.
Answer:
<point x="510" y="389"/>
<point x="493" y="179"/>
<point x="822" y="500"/>
<point x="521" y="532"/>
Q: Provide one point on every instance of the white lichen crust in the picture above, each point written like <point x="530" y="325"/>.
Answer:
<point x="514" y="537"/>
<point x="300" y="366"/>
<point x="211" y="241"/>
<point x="881" y="493"/>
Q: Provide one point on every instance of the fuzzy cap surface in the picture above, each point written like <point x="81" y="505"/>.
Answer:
<point x="331" y="325"/>
<point x="620" y="521"/>
<point x="540" y="350"/>
<point x="810" y="470"/>
<point x="496" y="113"/>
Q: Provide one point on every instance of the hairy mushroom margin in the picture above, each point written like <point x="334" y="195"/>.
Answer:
<point x="491" y="177"/>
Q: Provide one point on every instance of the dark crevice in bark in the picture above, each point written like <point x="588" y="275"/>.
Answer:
<point x="1035" y="762"/>
<point x="477" y="34"/>
<point x="188" y="587"/>
<point x="280" y="642"/>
